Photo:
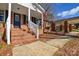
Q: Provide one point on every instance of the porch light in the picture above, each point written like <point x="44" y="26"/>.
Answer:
<point x="18" y="8"/>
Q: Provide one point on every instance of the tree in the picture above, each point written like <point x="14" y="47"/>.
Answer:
<point x="48" y="15"/>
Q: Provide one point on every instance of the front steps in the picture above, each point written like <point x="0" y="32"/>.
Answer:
<point x="21" y="36"/>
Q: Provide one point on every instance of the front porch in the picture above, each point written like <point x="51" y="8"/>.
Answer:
<point x="18" y="28"/>
<point x="20" y="33"/>
<point x="26" y="25"/>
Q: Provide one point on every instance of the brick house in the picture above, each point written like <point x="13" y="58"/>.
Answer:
<point x="72" y="22"/>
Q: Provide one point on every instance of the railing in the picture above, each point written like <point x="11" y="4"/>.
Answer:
<point x="34" y="28"/>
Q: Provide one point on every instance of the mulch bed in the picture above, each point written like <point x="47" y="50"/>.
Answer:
<point x="5" y="50"/>
<point x="70" y="49"/>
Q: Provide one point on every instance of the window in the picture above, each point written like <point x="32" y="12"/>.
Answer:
<point x="1" y="15"/>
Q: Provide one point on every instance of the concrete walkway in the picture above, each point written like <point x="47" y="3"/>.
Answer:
<point x="40" y="48"/>
<point x="59" y="43"/>
<point x="34" y="49"/>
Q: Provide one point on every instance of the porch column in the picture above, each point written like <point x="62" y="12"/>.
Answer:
<point x="8" y="24"/>
<point x="28" y="15"/>
<point x="42" y="22"/>
<point x="28" y="19"/>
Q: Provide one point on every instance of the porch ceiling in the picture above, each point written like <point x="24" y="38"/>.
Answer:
<point x="24" y="10"/>
<point x="3" y="6"/>
<point x="19" y="9"/>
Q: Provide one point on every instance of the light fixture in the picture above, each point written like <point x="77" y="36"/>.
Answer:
<point x="18" y="8"/>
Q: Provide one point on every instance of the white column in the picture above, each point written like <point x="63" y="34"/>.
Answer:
<point x="29" y="18"/>
<point x="37" y="37"/>
<point x="28" y="14"/>
<point x="8" y="24"/>
<point x="42" y="21"/>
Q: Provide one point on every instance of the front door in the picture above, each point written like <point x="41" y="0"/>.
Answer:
<point x="24" y="19"/>
<point x="17" y="20"/>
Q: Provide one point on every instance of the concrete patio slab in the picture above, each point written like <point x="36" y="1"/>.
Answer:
<point x="37" y="48"/>
<point x="58" y="42"/>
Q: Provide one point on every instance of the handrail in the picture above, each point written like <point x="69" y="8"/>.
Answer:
<point x="34" y="28"/>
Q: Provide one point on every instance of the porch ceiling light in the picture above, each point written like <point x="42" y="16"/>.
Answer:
<point x="18" y="8"/>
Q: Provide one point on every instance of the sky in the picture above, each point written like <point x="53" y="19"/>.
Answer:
<point x="64" y="10"/>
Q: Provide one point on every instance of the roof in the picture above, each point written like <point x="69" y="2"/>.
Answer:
<point x="67" y="19"/>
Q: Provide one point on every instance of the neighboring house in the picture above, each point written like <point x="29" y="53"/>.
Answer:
<point x="73" y="21"/>
<point x="15" y="15"/>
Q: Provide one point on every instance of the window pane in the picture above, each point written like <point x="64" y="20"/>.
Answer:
<point x="1" y="15"/>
